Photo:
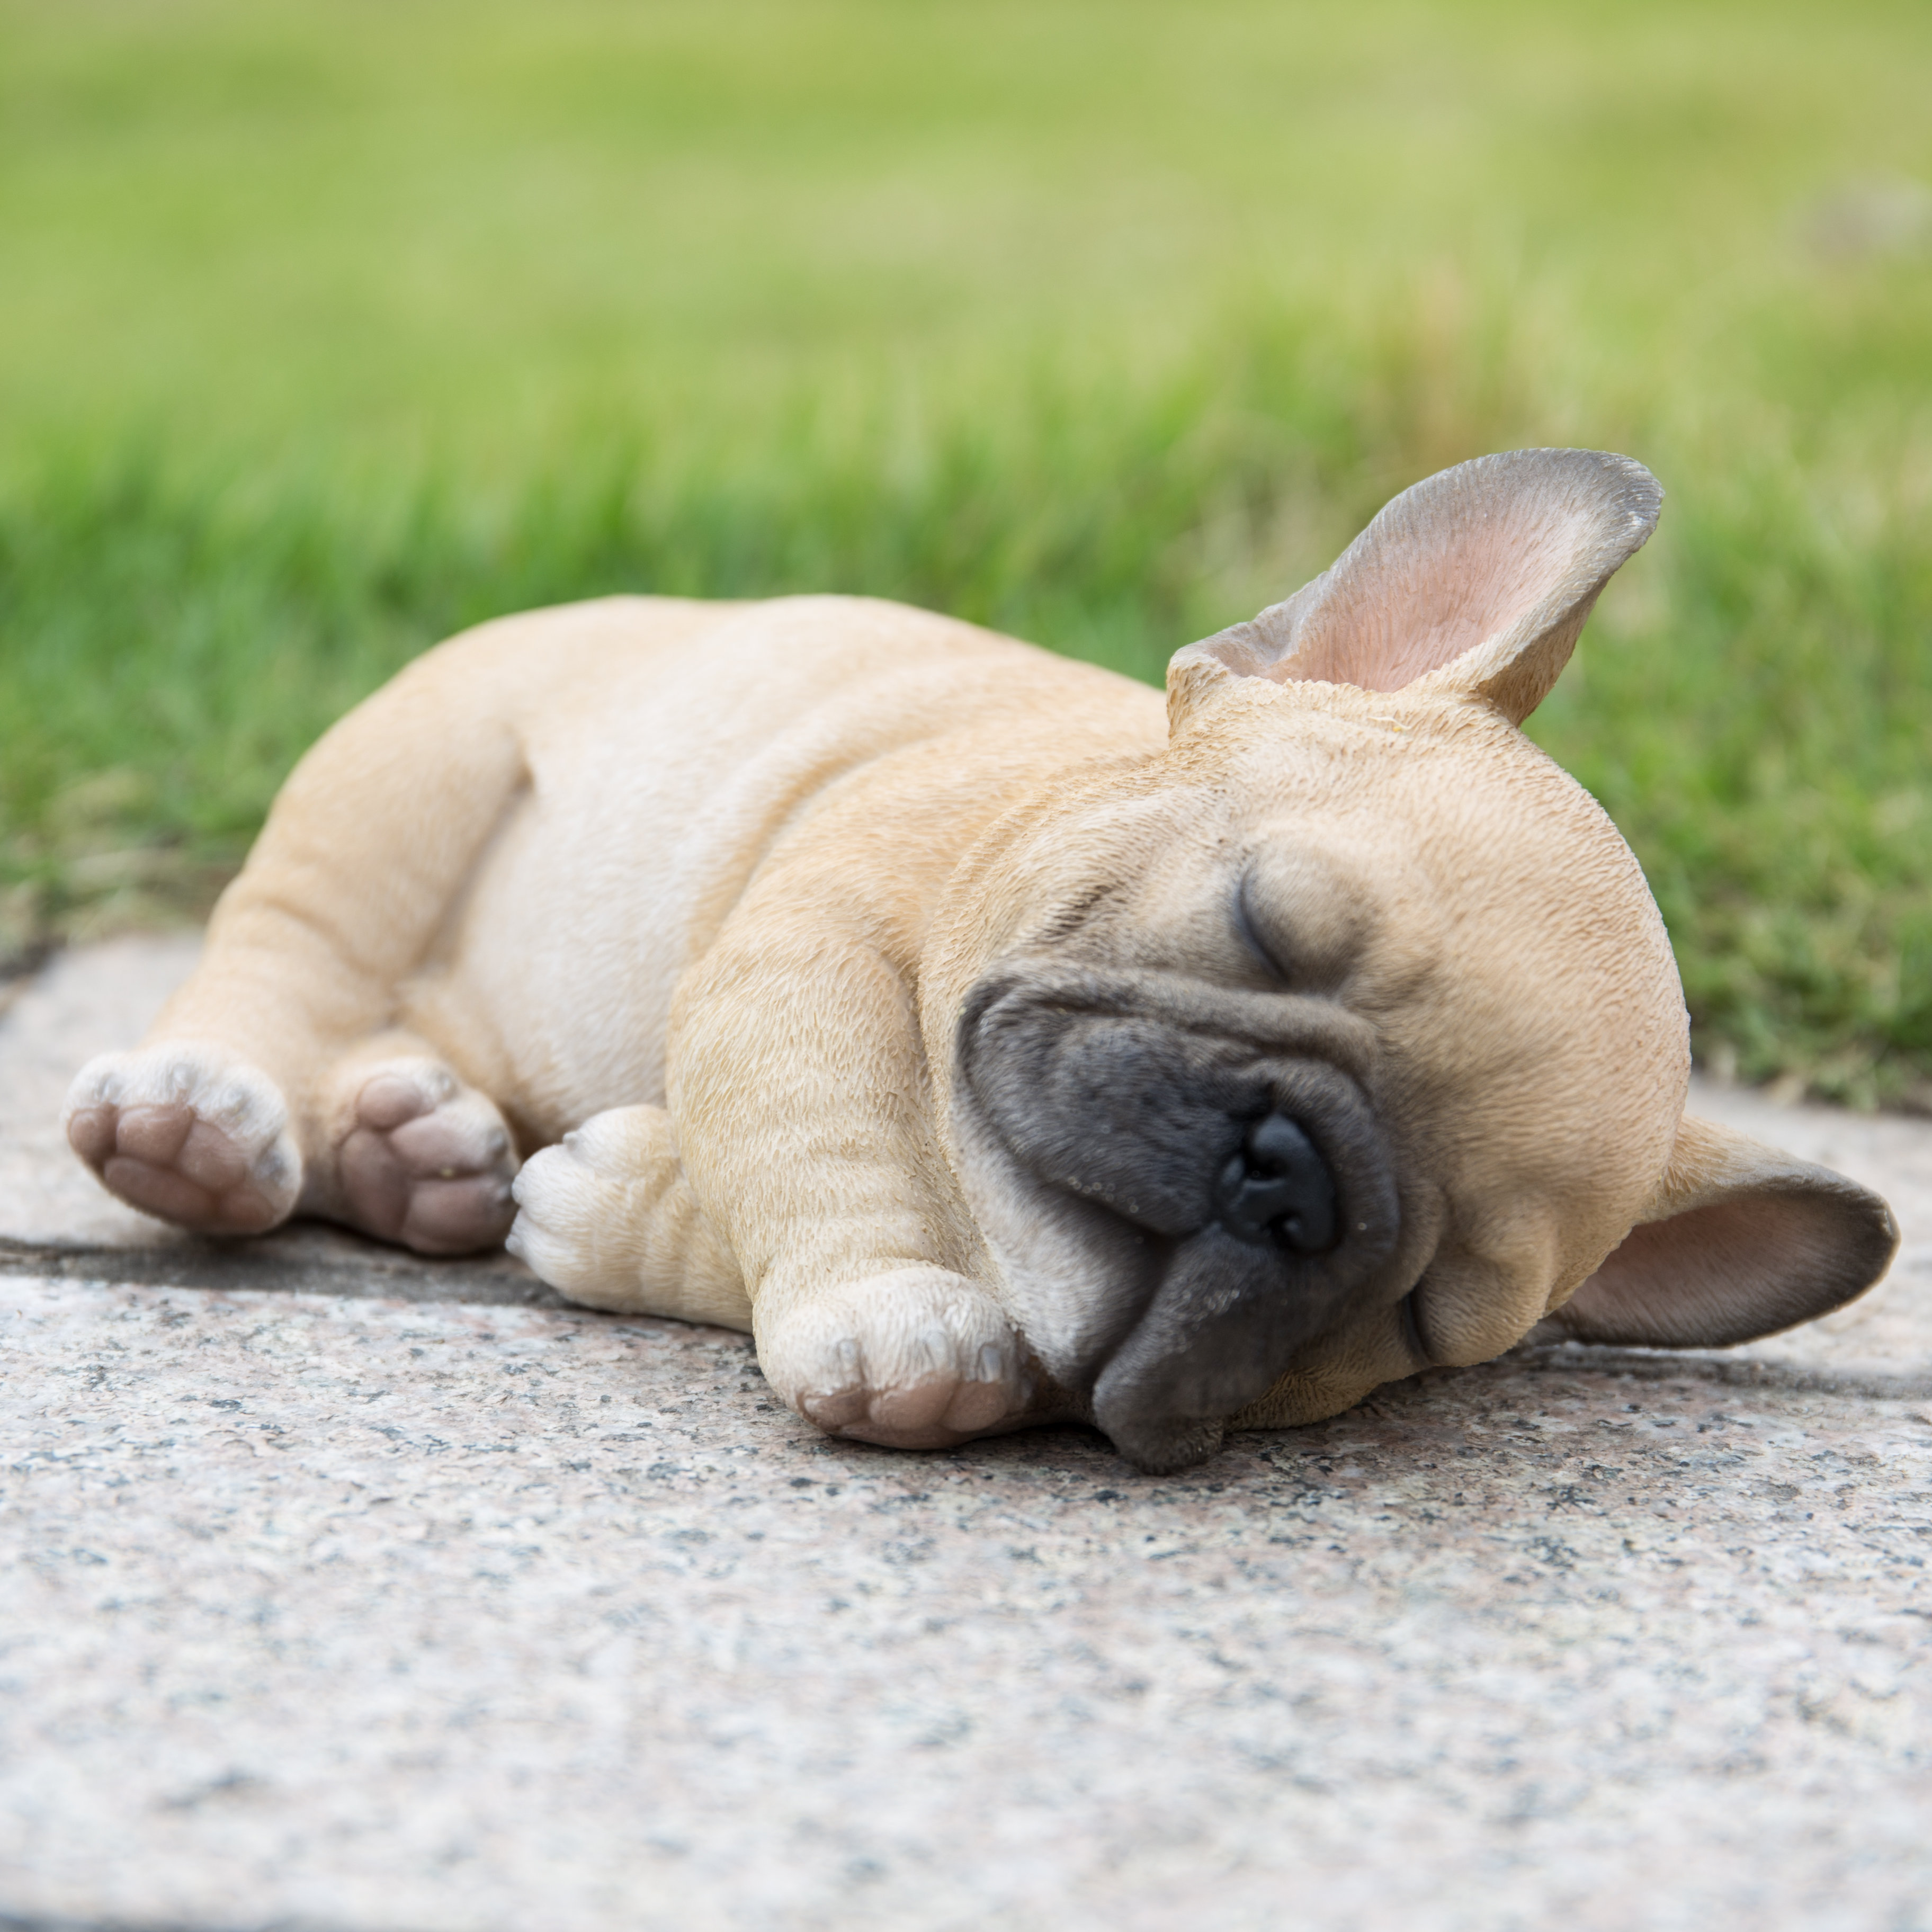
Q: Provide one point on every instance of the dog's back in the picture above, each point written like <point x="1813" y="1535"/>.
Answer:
<point x="667" y="747"/>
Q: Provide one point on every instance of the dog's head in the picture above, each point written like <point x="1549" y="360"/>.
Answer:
<point x="1345" y="1038"/>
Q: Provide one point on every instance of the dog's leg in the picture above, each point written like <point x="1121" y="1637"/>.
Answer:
<point x="796" y="1083"/>
<point x="272" y="1080"/>
<point x="608" y="1217"/>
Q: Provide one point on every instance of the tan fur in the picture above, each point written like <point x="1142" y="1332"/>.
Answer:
<point x="690" y="902"/>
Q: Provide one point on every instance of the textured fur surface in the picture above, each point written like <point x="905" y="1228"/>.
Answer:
<point x="904" y="993"/>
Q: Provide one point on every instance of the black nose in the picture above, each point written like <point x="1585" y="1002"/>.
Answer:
<point x="1276" y="1191"/>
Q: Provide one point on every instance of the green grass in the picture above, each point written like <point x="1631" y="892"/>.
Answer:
<point x="326" y="330"/>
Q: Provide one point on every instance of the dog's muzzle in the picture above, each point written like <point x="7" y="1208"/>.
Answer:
<point x="1224" y="1154"/>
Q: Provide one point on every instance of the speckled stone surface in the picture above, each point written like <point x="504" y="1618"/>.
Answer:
<point x="339" y="1601"/>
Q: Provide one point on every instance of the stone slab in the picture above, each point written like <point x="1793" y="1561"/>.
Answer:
<point x="344" y="1593"/>
<point x="354" y="1615"/>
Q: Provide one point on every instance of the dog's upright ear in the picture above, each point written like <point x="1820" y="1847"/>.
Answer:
<point x="1476" y="581"/>
<point x="1739" y="1240"/>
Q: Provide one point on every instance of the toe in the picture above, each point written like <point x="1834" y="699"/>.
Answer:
<point x="159" y="1190"/>
<point x="914" y="1409"/>
<point x="455" y="1217"/>
<point x="208" y="1157"/>
<point x="245" y="1209"/>
<point x="154" y="1134"/>
<point x="833" y="1408"/>
<point x="836" y="1412"/>
<point x="388" y="1099"/>
<point x="446" y="1143"/>
<point x="90" y="1132"/>
<point x="373" y="1180"/>
<point x="976" y="1406"/>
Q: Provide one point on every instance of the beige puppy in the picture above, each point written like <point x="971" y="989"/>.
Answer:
<point x="994" y="1045"/>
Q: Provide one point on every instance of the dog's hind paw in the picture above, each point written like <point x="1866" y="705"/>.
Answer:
<point x="915" y="1359"/>
<point x="425" y="1161"/>
<point x="185" y="1132"/>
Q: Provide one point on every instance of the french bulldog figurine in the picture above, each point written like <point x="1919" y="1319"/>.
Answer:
<point x="995" y="1047"/>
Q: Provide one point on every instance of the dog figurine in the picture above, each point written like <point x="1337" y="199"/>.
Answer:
<point x="995" y="1048"/>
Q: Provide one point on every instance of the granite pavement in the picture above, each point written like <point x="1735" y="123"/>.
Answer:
<point x="345" y="1592"/>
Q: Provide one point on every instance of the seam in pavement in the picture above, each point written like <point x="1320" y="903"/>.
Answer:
<point x="221" y="1268"/>
<point x="40" y="1922"/>
<point x="213" y="1266"/>
<point x="1660" y="1365"/>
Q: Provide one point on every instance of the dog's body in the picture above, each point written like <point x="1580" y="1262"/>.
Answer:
<point x="994" y="1045"/>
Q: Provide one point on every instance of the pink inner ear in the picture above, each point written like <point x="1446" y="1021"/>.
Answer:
<point x="1714" y="1275"/>
<point x="1389" y="623"/>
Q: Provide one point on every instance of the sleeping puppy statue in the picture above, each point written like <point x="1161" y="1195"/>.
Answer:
<point x="994" y="1045"/>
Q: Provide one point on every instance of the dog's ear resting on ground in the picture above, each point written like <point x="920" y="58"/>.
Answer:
<point x="1474" y="583"/>
<point x="1740" y="1240"/>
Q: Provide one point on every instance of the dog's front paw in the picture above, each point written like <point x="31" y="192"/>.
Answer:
<point x="608" y="1218"/>
<point x="185" y="1133"/>
<point x="584" y="1207"/>
<point x="915" y="1359"/>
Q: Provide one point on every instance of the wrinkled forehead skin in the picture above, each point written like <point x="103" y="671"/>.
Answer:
<point x="1494" y="965"/>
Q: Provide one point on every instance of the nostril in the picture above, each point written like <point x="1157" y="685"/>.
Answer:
<point x="1276" y="1191"/>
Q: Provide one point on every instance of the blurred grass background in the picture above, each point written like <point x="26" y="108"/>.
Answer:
<point x="326" y="330"/>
